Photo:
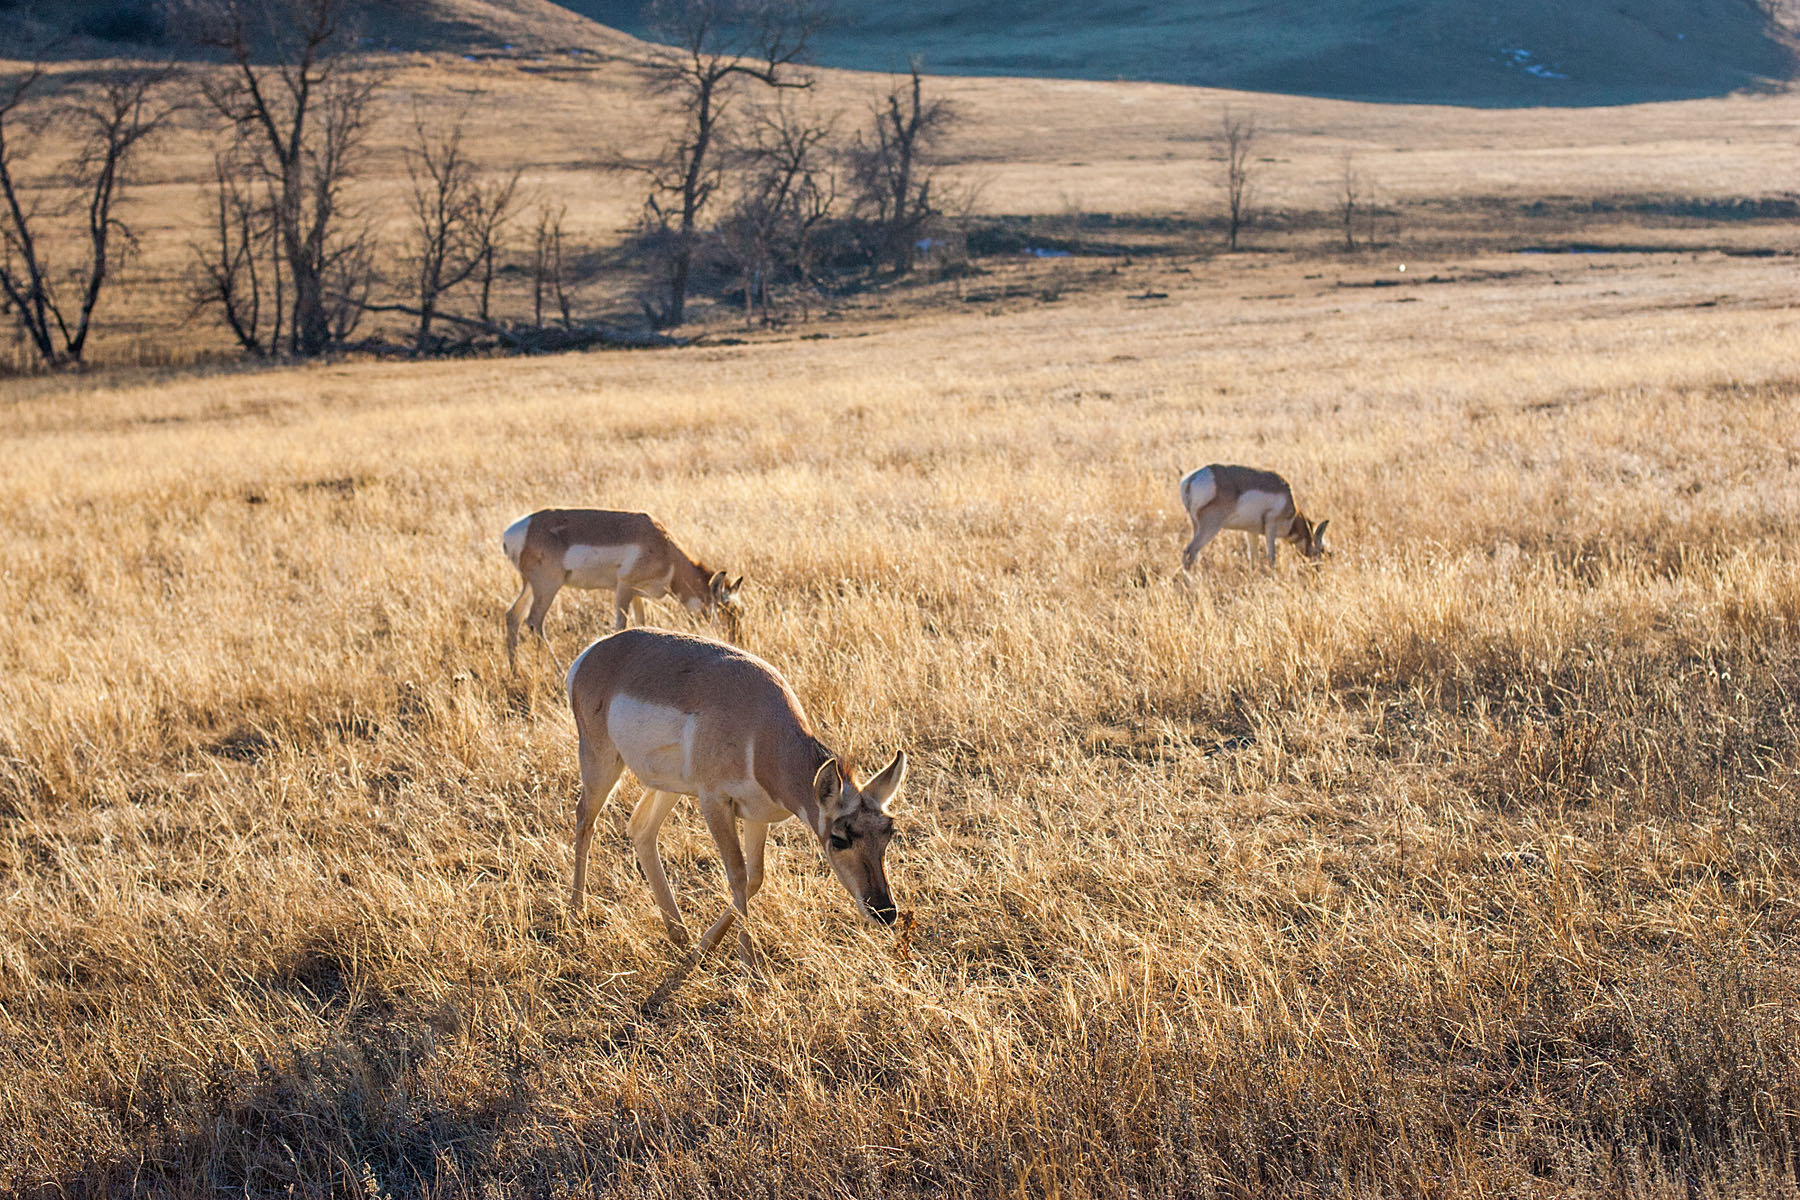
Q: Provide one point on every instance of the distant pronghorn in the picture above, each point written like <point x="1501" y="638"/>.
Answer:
<point x="692" y="716"/>
<point x="627" y="553"/>
<point x="1258" y="502"/>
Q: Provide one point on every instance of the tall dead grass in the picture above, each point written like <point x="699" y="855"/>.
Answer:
<point x="1462" y="866"/>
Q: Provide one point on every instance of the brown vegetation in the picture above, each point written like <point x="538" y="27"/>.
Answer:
<point x="1463" y="865"/>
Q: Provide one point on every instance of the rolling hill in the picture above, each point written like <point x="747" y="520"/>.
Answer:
<point x="1536" y="52"/>
<point x="91" y="28"/>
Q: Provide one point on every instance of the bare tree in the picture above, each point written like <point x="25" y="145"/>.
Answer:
<point x="547" y="273"/>
<point x="457" y="220"/>
<point x="713" y="46"/>
<point x="237" y="268"/>
<point x="1237" y="133"/>
<point x="299" y="106"/>
<point x="785" y="191"/>
<point x="892" y="168"/>
<point x="108" y="118"/>
<point x="1350" y="198"/>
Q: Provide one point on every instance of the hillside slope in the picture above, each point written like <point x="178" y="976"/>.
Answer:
<point x="1530" y="52"/>
<point x="93" y="28"/>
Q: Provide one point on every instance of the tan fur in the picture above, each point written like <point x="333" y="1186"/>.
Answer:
<point x="662" y="568"/>
<point x="748" y="754"/>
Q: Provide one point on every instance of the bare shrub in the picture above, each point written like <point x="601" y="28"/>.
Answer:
<point x="1237" y="134"/>
<point x="891" y="168"/>
<point x="549" y="277"/>
<point x="785" y="190"/>
<point x="458" y="218"/>
<point x="1351" y="198"/>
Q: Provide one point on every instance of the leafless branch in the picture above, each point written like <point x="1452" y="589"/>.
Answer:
<point x="106" y="119"/>
<point x="712" y="45"/>
<point x="299" y="105"/>
<point x="1237" y="133"/>
<point x="891" y="168"/>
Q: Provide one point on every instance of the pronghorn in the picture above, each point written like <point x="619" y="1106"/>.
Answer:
<point x="1258" y="502"/>
<point x="627" y="553"/>
<point x="692" y="716"/>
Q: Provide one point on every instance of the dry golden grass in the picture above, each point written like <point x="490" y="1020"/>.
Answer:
<point x="1462" y="866"/>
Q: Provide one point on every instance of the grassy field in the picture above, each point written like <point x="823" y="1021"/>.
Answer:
<point x="1464" y="865"/>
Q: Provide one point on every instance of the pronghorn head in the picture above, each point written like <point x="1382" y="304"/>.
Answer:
<point x="721" y="598"/>
<point x="1308" y="537"/>
<point x="724" y="595"/>
<point x="857" y="827"/>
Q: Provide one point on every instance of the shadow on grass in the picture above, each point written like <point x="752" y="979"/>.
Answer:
<point x="371" y="1110"/>
<point x="374" y="1107"/>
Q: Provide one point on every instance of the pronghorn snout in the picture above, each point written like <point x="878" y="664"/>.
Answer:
<point x="882" y="909"/>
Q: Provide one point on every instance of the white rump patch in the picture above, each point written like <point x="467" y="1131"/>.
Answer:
<point x="514" y="538"/>
<point x="1198" y="489"/>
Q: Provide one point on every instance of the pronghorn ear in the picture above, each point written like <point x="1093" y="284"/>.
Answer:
<point x="828" y="786"/>
<point x="880" y="791"/>
<point x="1319" y="532"/>
<point x="735" y="586"/>
<point x="717" y="582"/>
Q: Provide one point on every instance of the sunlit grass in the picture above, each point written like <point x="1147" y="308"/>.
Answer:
<point x="1461" y="865"/>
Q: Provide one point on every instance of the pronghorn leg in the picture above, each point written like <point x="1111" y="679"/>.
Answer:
<point x="637" y="609"/>
<point x="721" y="822"/>
<point x="600" y="769"/>
<point x="622" y="599"/>
<point x="646" y="823"/>
<point x="514" y="615"/>
<point x="1207" y="523"/>
<point x="1269" y="536"/>
<point x="756" y="836"/>
<point x="543" y="591"/>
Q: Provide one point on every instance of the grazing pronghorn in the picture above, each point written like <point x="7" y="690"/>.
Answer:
<point x="695" y="717"/>
<point x="629" y="554"/>
<point x="1258" y="502"/>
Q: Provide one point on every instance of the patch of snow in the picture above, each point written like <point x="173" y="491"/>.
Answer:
<point x="1521" y="58"/>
